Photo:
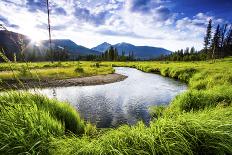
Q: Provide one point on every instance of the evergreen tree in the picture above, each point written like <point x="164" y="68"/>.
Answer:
<point x="222" y="44"/>
<point x="216" y="43"/>
<point x="192" y="50"/>
<point x="228" y="43"/>
<point x="132" y="55"/>
<point x="207" y="39"/>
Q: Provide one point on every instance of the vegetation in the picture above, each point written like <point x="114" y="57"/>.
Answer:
<point x="111" y="54"/>
<point x="207" y="132"/>
<point x="217" y="45"/>
<point x="47" y="70"/>
<point x="196" y="122"/>
<point x="27" y="122"/>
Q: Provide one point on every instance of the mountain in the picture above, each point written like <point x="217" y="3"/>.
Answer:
<point x="70" y="46"/>
<point x="12" y="42"/>
<point x="102" y="47"/>
<point x="141" y="52"/>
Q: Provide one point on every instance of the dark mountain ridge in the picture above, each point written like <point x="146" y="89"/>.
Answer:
<point x="12" y="42"/>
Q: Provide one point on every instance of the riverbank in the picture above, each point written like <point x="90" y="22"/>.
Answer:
<point x="196" y="122"/>
<point x="47" y="74"/>
<point x="82" y="81"/>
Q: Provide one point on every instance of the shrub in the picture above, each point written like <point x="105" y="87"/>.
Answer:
<point x="97" y="64"/>
<point x="79" y="70"/>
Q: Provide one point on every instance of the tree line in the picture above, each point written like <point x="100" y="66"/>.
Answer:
<point x="217" y="44"/>
<point x="111" y="54"/>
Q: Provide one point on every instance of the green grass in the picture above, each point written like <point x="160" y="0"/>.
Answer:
<point x="197" y="121"/>
<point x="28" y="122"/>
<point x="207" y="132"/>
<point x="48" y="70"/>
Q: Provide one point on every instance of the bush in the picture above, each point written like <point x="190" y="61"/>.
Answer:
<point x="79" y="70"/>
<point x="97" y="64"/>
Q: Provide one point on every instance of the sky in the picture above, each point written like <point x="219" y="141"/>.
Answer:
<point x="171" y="24"/>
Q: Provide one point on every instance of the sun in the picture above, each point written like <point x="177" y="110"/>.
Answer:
<point x="36" y="36"/>
<point x="35" y="41"/>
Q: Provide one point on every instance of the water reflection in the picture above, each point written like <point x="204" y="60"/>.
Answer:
<point x="124" y="102"/>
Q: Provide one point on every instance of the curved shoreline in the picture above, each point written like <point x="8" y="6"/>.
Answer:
<point x="81" y="81"/>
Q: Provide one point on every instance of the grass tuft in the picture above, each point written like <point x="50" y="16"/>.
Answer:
<point x="29" y="121"/>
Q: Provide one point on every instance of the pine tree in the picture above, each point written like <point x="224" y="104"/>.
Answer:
<point x="207" y="39"/>
<point x="192" y="50"/>
<point x="222" y="44"/>
<point x="216" y="43"/>
<point x="132" y="55"/>
<point x="228" y="43"/>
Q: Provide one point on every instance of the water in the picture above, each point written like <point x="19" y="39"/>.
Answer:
<point x="124" y="102"/>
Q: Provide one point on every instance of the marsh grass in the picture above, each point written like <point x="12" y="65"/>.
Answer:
<point x="207" y="132"/>
<point x="156" y="111"/>
<point x="28" y="121"/>
<point x="196" y="122"/>
<point x="46" y="70"/>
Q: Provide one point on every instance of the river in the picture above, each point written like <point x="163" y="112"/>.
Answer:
<point x="124" y="102"/>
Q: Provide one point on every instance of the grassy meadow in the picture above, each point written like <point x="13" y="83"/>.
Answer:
<point x="18" y="75"/>
<point x="197" y="121"/>
<point x="48" y="70"/>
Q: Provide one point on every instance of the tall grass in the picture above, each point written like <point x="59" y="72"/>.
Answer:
<point x="194" y="100"/>
<point x="28" y="121"/>
<point x="207" y="132"/>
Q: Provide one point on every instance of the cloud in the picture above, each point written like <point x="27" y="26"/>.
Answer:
<point x="60" y="11"/>
<point x="125" y="34"/>
<point x="35" y="5"/>
<point x="144" y="6"/>
<point x="196" y="26"/>
<point x="163" y="13"/>
<point x="6" y="23"/>
<point x="85" y="15"/>
<point x="157" y="10"/>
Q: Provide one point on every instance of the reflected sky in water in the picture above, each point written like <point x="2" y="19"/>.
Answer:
<point x="124" y="102"/>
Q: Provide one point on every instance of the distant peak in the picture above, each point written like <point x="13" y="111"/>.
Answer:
<point x="105" y="43"/>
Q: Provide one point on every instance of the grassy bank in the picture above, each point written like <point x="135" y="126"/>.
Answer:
<point x="48" y="70"/>
<point x="196" y="122"/>
<point x="27" y="75"/>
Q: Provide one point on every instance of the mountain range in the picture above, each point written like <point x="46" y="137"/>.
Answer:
<point x="141" y="52"/>
<point x="70" y="46"/>
<point x="11" y="42"/>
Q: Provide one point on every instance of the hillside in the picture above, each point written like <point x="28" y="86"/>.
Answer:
<point x="70" y="46"/>
<point x="12" y="42"/>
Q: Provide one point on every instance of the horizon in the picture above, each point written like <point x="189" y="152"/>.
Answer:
<point x="158" y="23"/>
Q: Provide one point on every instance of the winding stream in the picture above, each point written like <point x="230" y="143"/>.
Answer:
<point x="124" y="102"/>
